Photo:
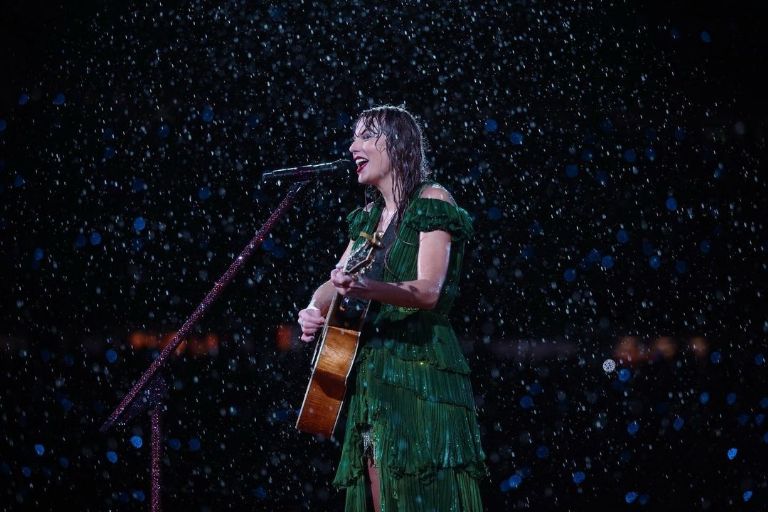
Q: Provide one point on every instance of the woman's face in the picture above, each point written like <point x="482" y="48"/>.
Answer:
<point x="369" y="152"/>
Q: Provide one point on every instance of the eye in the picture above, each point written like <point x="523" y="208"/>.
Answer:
<point x="363" y="136"/>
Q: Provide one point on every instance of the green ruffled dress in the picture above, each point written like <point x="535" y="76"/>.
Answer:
<point x="411" y="389"/>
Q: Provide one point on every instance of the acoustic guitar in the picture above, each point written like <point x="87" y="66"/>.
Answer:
<point x="336" y="350"/>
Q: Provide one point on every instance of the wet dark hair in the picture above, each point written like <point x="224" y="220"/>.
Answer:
<point x="406" y="148"/>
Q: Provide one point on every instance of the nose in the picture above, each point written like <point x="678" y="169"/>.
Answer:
<point x="352" y="146"/>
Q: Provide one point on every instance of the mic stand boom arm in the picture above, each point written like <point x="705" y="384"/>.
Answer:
<point x="146" y="385"/>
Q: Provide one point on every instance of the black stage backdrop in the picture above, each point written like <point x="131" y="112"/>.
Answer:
<point x="610" y="154"/>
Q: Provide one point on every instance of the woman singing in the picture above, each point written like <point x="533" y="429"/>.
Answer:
<point x="412" y="441"/>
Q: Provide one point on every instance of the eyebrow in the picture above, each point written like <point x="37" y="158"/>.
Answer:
<point x="368" y="131"/>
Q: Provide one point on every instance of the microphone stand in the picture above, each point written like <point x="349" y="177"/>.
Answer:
<point x="151" y="388"/>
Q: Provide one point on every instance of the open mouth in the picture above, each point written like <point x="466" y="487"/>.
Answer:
<point x="361" y="163"/>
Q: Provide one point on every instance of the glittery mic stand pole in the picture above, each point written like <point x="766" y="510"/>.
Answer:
<point x="157" y="454"/>
<point x="150" y="387"/>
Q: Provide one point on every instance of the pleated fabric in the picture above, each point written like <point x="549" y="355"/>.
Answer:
<point x="411" y="387"/>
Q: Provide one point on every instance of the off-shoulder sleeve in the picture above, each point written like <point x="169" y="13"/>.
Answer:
<point x="356" y="220"/>
<point x="426" y="214"/>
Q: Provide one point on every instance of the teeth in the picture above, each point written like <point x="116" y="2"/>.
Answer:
<point x="360" y="160"/>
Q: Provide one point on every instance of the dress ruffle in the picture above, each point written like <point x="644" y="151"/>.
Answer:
<point x="425" y="435"/>
<point x="427" y="214"/>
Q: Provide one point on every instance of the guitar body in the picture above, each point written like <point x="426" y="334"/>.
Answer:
<point x="328" y="384"/>
<point x="335" y="353"/>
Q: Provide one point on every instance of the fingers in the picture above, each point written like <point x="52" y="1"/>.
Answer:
<point x="310" y="321"/>
<point x="339" y="277"/>
<point x="342" y="282"/>
<point x="311" y="315"/>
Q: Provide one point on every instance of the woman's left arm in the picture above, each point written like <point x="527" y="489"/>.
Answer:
<point x="422" y="293"/>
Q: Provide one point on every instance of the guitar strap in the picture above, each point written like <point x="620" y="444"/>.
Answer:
<point x="354" y="307"/>
<point x="376" y="270"/>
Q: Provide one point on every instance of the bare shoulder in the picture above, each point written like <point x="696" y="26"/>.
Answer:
<point x="435" y="191"/>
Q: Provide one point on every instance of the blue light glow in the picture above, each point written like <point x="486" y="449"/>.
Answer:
<point x="139" y="224"/>
<point x="526" y="402"/>
<point x="207" y="114"/>
<point x="671" y="204"/>
<point x="516" y="138"/>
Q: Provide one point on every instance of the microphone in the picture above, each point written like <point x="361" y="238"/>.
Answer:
<point x="307" y="172"/>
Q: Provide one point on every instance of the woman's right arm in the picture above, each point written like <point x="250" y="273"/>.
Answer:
<point x="312" y="318"/>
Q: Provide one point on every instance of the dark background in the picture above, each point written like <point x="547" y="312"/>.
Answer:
<point x="611" y="155"/>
